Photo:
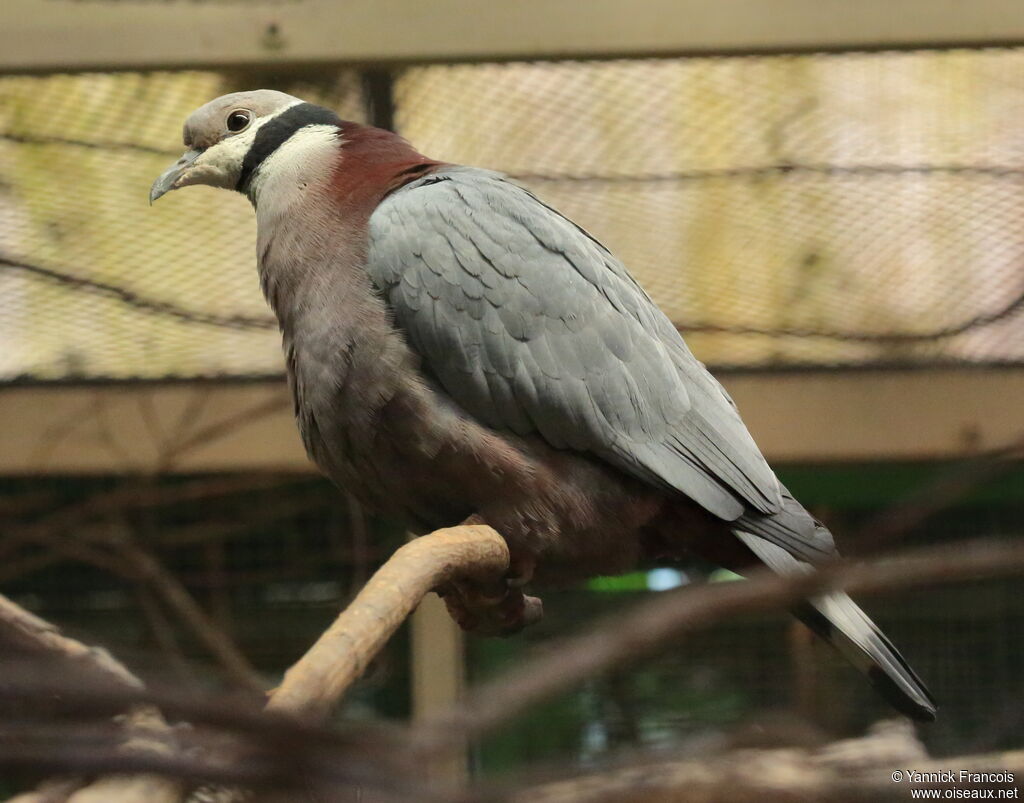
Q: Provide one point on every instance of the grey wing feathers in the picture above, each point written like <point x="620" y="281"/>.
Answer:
<point x="793" y="529"/>
<point x="531" y="325"/>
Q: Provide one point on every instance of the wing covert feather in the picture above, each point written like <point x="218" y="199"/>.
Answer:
<point x="531" y="325"/>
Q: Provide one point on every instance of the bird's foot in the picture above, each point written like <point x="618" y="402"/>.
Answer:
<point x="496" y="608"/>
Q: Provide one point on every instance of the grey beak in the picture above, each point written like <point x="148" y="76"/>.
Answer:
<point x="168" y="179"/>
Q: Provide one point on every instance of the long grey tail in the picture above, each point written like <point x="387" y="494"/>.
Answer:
<point x="838" y="620"/>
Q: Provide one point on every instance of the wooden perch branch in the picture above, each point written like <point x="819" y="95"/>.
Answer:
<point x="146" y="731"/>
<point x="477" y="552"/>
<point x="323" y="675"/>
<point x="883" y="765"/>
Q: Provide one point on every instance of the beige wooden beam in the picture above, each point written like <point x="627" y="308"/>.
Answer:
<point x="880" y="415"/>
<point x="65" y="35"/>
<point x="438" y="677"/>
<point x="800" y="416"/>
<point x="149" y="428"/>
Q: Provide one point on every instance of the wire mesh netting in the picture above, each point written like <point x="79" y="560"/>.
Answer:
<point x="811" y="209"/>
<point x="821" y="210"/>
<point x="95" y="283"/>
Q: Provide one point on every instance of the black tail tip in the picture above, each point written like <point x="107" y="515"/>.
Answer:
<point x="920" y="707"/>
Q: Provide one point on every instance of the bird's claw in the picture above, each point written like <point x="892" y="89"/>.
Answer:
<point x="520" y="569"/>
<point x="481" y="609"/>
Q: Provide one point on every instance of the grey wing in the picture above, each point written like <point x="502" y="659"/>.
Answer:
<point x="532" y="326"/>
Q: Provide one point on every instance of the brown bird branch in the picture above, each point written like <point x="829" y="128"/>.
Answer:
<point x="787" y="776"/>
<point x="31" y="637"/>
<point x="323" y="675"/>
<point x="147" y="569"/>
<point x="26" y="634"/>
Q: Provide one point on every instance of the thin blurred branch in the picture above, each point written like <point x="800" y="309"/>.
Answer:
<point x="950" y="487"/>
<point x="619" y="640"/>
<point x="60" y="548"/>
<point x="134" y="495"/>
<point x="147" y="569"/>
<point x="26" y="503"/>
<point x="219" y="429"/>
<point x="26" y="633"/>
<point x="163" y="633"/>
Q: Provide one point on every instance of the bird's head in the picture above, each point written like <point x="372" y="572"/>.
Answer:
<point x="227" y="138"/>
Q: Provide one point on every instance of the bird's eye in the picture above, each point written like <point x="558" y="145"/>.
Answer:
<point x="239" y="120"/>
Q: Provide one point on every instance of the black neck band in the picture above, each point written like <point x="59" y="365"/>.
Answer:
<point x="278" y="131"/>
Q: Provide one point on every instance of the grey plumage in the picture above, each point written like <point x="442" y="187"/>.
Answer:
<point x="563" y="342"/>
<point x="457" y="348"/>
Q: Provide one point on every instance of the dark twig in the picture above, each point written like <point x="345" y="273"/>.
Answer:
<point x="136" y="300"/>
<point x="134" y="495"/>
<point x="951" y="487"/>
<point x="27" y="634"/>
<point x="620" y="640"/>
<point x="163" y="634"/>
<point x="147" y="569"/>
<point x="219" y="429"/>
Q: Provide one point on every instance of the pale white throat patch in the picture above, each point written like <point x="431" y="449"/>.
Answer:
<point x="302" y="163"/>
